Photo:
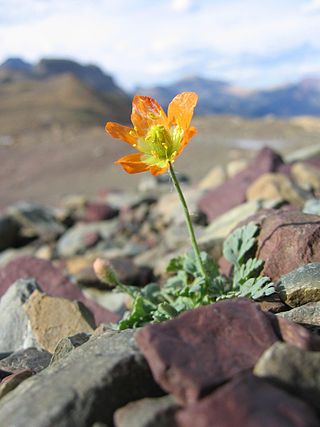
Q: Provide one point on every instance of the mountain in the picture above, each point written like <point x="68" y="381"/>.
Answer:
<point x="57" y="92"/>
<point x="219" y="97"/>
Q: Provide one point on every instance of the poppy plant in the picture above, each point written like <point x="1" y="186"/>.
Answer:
<point x="159" y="137"/>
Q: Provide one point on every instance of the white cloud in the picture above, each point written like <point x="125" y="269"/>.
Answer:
<point x="145" y="42"/>
<point x="181" y="5"/>
<point x="312" y="6"/>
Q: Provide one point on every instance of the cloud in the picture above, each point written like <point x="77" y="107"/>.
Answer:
<point x="145" y="42"/>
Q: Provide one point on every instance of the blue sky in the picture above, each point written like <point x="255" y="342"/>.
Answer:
<point x="144" y="42"/>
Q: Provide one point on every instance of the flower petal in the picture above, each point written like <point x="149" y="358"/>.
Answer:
<point x="155" y="170"/>
<point x="146" y="112"/>
<point x="180" y="110"/>
<point x="132" y="163"/>
<point x="122" y="132"/>
<point x="189" y="133"/>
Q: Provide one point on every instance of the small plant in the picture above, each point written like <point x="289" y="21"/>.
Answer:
<point x="159" y="139"/>
<point x="187" y="288"/>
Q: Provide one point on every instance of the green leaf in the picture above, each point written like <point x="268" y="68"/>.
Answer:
<point x="239" y="243"/>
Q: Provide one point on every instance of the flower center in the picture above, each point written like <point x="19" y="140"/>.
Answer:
<point x="161" y="143"/>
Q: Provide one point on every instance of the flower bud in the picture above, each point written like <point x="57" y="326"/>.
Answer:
<point x="104" y="272"/>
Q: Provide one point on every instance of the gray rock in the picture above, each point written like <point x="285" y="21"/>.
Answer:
<point x="96" y="378"/>
<point x="307" y="314"/>
<point x="301" y="285"/>
<point x="312" y="206"/>
<point x="157" y="412"/>
<point x="293" y="368"/>
<point x="36" y="220"/>
<point x="15" y="331"/>
<point x="79" y="238"/>
<point x="30" y="358"/>
<point x="67" y="344"/>
<point x="8" y="232"/>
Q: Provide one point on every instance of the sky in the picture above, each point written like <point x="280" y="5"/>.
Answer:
<point x="250" y="43"/>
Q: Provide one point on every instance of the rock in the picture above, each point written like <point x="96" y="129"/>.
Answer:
<point x="15" y="331"/>
<point x="293" y="369"/>
<point x="78" y="238"/>
<point x="36" y="221"/>
<point x="202" y="348"/>
<point x="306" y="176"/>
<point x="312" y="206"/>
<point x="233" y="191"/>
<point x="213" y="179"/>
<point x="305" y="153"/>
<point x="307" y="314"/>
<point x="301" y="285"/>
<point x="236" y="166"/>
<point x="54" y="318"/>
<point x="113" y="301"/>
<point x="169" y="207"/>
<point x="67" y="344"/>
<point x="288" y="239"/>
<point x="30" y="358"/>
<point x="156" y="412"/>
<point x="9" y="231"/>
<point x="294" y="334"/>
<point x="220" y="227"/>
<point x="51" y="281"/>
<point x="274" y="186"/>
<point x="251" y="402"/>
<point x="97" y="378"/>
<point x="95" y="211"/>
<point x="12" y="381"/>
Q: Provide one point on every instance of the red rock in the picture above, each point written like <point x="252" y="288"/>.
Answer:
<point x="202" y="348"/>
<point x="52" y="281"/>
<point x="233" y="191"/>
<point x="248" y="401"/>
<point x="288" y="239"/>
<point x="98" y="212"/>
<point x="294" y="334"/>
<point x="12" y="381"/>
<point x="90" y="239"/>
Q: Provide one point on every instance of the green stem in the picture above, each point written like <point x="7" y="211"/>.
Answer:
<point x="188" y="220"/>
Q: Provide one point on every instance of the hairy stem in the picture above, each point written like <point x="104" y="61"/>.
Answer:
<point x="188" y="219"/>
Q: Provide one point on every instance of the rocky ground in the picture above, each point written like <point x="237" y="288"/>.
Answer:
<point x="236" y="362"/>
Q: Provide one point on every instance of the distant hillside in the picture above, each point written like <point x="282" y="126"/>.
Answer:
<point x="57" y="92"/>
<point x="218" y="97"/>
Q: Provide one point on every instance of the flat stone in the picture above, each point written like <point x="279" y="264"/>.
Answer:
<point x="306" y="176"/>
<point x="12" y="381"/>
<point x="292" y="368"/>
<point x="67" y="344"/>
<point x="308" y="314"/>
<point x="288" y="239"/>
<point x="15" y="331"/>
<point x="215" y="177"/>
<point x="274" y="186"/>
<point x="54" y="318"/>
<point x="52" y="281"/>
<point x="36" y="220"/>
<point x="312" y="206"/>
<point x="30" y="358"/>
<point x="97" y="378"/>
<point x="251" y="402"/>
<point x="233" y="191"/>
<point x="74" y="241"/>
<point x="97" y="211"/>
<point x="156" y="412"/>
<point x="301" y="285"/>
<point x="220" y="227"/>
<point x="203" y="348"/>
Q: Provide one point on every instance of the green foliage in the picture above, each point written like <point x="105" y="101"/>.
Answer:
<point x="187" y="287"/>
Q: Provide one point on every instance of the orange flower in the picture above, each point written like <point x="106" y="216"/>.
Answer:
<point x="158" y="137"/>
